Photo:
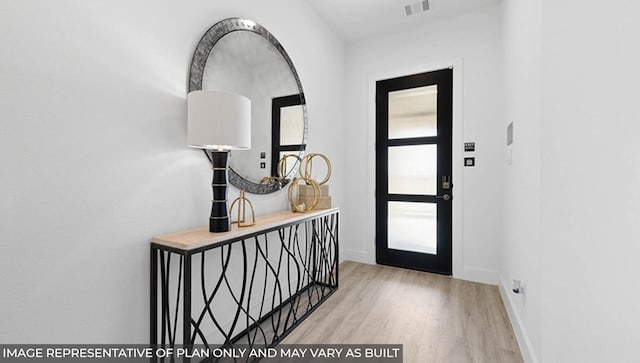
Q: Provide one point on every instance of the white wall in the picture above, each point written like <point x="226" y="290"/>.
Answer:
<point x="521" y="241"/>
<point x="93" y="154"/>
<point x="470" y="42"/>
<point x="590" y="181"/>
<point x="572" y="89"/>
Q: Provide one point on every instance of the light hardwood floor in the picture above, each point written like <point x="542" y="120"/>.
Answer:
<point x="436" y="318"/>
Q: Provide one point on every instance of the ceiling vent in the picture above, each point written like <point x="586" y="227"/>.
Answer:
<point x="416" y="8"/>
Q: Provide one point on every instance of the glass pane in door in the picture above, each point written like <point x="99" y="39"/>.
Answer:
<point x="413" y="227"/>
<point x="291" y="125"/>
<point x="413" y="112"/>
<point x="413" y="169"/>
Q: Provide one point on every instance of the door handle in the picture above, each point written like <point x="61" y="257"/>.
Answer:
<point x="443" y="197"/>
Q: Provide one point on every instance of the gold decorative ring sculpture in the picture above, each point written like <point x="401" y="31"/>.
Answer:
<point x="293" y="192"/>
<point x="282" y="164"/>
<point x="307" y="162"/>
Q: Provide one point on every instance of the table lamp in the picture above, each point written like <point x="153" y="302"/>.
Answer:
<point x="219" y="121"/>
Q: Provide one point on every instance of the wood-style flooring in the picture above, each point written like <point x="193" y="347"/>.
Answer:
<point x="437" y="318"/>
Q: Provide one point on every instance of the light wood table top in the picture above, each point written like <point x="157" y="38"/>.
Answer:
<point x="200" y="237"/>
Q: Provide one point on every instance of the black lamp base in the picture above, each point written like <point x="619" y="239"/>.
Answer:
<point x="219" y="221"/>
<point x="219" y="225"/>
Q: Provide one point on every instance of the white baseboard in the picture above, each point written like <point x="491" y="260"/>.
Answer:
<point x="524" y="342"/>
<point x="475" y="274"/>
<point x="353" y="255"/>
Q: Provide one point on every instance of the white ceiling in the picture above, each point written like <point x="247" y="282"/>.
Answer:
<point x="358" y="19"/>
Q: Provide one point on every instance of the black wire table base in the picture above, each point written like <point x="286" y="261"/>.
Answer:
<point x="250" y="291"/>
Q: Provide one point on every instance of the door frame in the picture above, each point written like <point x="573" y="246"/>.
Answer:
<point x="458" y="269"/>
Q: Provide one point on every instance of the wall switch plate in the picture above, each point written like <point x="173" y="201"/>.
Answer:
<point x="469" y="146"/>
<point x="469" y="161"/>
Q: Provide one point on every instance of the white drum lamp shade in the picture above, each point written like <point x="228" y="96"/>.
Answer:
<point x="218" y="120"/>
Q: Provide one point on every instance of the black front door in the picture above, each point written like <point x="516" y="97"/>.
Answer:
<point x="413" y="171"/>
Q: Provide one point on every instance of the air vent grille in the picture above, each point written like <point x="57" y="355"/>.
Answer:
<point x="416" y="8"/>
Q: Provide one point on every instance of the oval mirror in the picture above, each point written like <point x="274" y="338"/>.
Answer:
<point x="240" y="56"/>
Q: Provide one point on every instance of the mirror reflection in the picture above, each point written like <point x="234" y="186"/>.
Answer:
<point x="246" y="63"/>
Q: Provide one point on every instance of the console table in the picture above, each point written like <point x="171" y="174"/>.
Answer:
<point x="249" y="286"/>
